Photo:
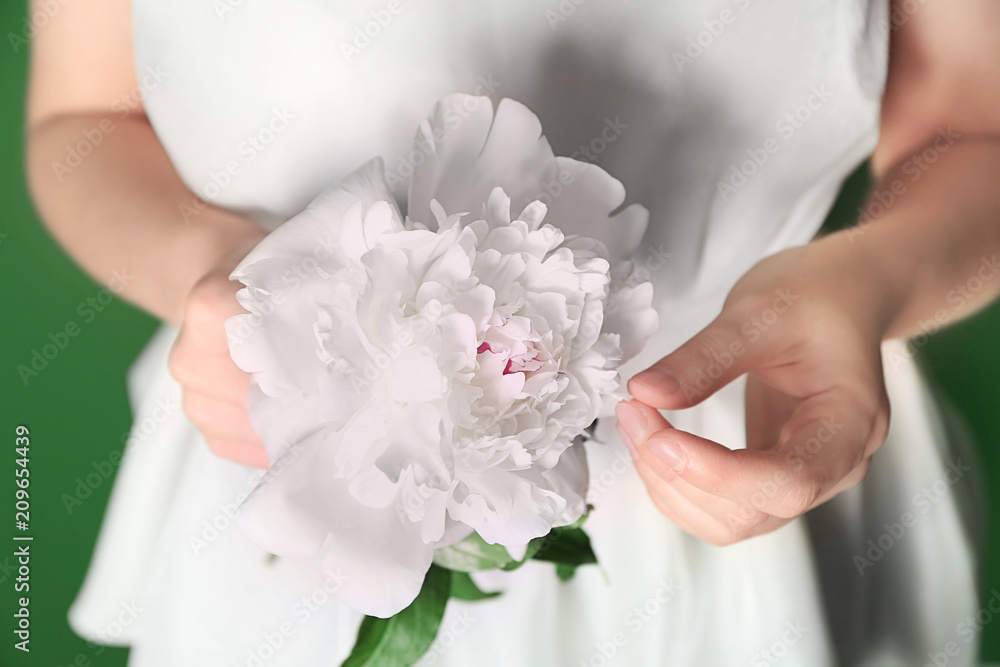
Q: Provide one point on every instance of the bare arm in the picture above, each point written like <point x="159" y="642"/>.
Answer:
<point x="118" y="208"/>
<point x="923" y="255"/>
<point x="938" y="167"/>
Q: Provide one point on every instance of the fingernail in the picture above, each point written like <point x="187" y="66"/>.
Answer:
<point x="659" y="378"/>
<point x="669" y="453"/>
<point x="631" y="425"/>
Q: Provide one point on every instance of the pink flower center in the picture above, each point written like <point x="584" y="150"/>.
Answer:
<point x="513" y="345"/>
<point x="517" y="363"/>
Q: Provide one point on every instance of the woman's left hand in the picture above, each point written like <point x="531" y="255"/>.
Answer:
<point x="806" y="325"/>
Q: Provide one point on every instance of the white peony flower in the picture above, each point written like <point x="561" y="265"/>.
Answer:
<point x="416" y="380"/>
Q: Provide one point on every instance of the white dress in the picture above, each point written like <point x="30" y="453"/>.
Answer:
<point x="734" y="122"/>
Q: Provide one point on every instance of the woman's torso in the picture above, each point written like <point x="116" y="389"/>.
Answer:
<point x="733" y="121"/>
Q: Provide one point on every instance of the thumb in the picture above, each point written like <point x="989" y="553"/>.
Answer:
<point x="707" y="362"/>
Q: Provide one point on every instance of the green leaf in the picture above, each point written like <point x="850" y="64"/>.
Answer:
<point x="565" y="572"/>
<point x="529" y="553"/>
<point x="464" y="588"/>
<point x="400" y="640"/>
<point x="566" y="546"/>
<point x="473" y="554"/>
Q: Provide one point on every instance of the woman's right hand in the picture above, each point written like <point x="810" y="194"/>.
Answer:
<point x="214" y="388"/>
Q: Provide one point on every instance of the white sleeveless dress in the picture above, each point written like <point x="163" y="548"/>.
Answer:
<point x="734" y="122"/>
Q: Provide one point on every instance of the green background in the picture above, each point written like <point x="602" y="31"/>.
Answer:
<point x="78" y="413"/>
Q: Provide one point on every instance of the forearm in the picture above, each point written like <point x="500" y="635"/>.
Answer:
<point x="120" y="210"/>
<point x="930" y="235"/>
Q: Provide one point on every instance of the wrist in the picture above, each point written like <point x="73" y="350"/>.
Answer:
<point x="215" y="246"/>
<point x="936" y="238"/>
<point x="229" y="243"/>
<point x="860" y="276"/>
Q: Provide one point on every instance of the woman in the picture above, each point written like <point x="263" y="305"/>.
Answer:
<point x="734" y="123"/>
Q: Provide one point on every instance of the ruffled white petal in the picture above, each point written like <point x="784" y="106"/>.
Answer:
<point x="377" y="555"/>
<point x="414" y="382"/>
<point x="471" y="151"/>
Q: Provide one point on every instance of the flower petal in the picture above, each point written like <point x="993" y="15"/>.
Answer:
<point x="482" y="151"/>
<point x="314" y="233"/>
<point x="377" y="555"/>
<point x="415" y="378"/>
<point x="630" y="315"/>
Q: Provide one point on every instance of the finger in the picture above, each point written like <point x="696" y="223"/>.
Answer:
<point x="713" y="358"/>
<point x="767" y="410"/>
<point x="740" y="518"/>
<point x="239" y="451"/>
<point x="714" y="519"/>
<point x="206" y="312"/>
<point x="734" y="513"/>
<point x="678" y="509"/>
<point x="636" y="422"/>
<point x="718" y="528"/>
<point x="827" y="438"/>
<point x="215" y="298"/>
<point x="218" y="419"/>
<point x="853" y="478"/>
<point x="210" y="373"/>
